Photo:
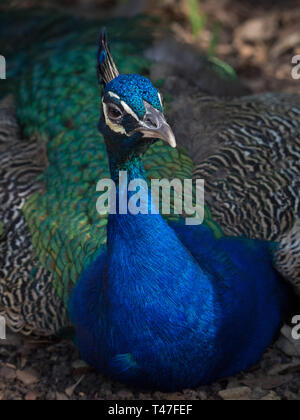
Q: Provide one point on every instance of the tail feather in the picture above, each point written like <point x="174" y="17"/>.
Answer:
<point x="287" y="256"/>
<point x="26" y="291"/>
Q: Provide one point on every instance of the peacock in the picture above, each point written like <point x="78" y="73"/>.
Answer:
<point x="153" y="302"/>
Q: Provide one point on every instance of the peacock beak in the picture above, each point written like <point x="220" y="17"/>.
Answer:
<point x="154" y="125"/>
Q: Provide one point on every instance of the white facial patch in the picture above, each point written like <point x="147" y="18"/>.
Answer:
<point x="129" y="111"/>
<point x="160" y="99"/>
<point x="113" y="95"/>
<point x="114" y="127"/>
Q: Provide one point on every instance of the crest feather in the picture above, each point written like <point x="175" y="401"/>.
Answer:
<point x="107" y="70"/>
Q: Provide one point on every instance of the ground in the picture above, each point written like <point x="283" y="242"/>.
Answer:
<point x="259" y="39"/>
<point x="52" y="370"/>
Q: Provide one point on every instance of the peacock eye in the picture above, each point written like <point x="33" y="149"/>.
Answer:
<point x="114" y="112"/>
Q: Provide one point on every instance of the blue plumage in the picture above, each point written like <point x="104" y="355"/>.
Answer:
<point x="134" y="89"/>
<point x="102" y="57"/>
<point x="169" y="306"/>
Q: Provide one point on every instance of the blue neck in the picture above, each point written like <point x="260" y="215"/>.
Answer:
<point x="134" y="168"/>
<point x="151" y="241"/>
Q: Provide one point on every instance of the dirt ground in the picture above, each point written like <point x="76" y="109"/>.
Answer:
<point x="259" y="39"/>
<point x="41" y="370"/>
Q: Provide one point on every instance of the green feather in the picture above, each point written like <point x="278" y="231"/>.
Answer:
<point x="58" y="100"/>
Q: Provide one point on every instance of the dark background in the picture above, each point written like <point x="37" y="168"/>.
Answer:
<point x="258" y="38"/>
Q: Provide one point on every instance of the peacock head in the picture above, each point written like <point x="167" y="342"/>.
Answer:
<point x="132" y="110"/>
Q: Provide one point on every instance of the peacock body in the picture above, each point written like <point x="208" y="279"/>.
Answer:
<point x="156" y="303"/>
